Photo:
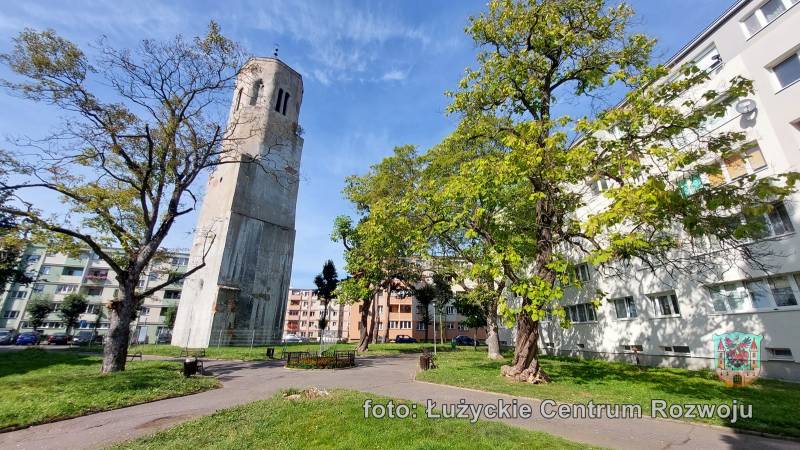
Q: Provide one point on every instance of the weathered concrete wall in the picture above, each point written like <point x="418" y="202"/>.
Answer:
<point x="249" y="207"/>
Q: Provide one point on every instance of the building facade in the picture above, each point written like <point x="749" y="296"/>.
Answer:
<point x="672" y="322"/>
<point x="303" y="311"/>
<point x="57" y="275"/>
<point x="401" y="315"/>
<point x="245" y="230"/>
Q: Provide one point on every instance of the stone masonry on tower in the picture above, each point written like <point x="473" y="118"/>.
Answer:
<point x="246" y="224"/>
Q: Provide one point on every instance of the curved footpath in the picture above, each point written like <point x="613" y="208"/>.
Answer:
<point x="245" y="382"/>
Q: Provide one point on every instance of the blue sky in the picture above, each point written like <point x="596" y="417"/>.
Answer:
<point x="374" y="72"/>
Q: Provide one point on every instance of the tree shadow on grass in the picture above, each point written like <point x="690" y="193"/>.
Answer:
<point x="23" y="361"/>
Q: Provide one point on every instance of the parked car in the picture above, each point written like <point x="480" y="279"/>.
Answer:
<point x="28" y="338"/>
<point x="164" y="338"/>
<point x="405" y="339"/>
<point x="8" y="337"/>
<point x="464" y="340"/>
<point x="59" y="339"/>
<point x="293" y="339"/>
<point x="86" y="338"/>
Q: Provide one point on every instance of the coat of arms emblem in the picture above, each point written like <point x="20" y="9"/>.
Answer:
<point x="737" y="357"/>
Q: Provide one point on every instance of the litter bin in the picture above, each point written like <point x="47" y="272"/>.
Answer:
<point x="425" y="361"/>
<point x="189" y="367"/>
<point x="271" y="352"/>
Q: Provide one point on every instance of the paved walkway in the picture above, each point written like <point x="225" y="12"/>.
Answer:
<point x="245" y="382"/>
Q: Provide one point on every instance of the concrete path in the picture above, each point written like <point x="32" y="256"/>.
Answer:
<point x="393" y="377"/>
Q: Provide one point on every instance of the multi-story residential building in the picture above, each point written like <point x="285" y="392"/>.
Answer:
<point x="400" y="314"/>
<point x="672" y="322"/>
<point x="57" y="275"/>
<point x="303" y="311"/>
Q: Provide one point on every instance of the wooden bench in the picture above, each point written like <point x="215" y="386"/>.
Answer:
<point x="134" y="354"/>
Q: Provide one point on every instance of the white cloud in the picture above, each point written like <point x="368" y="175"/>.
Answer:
<point x="344" y="41"/>
<point x="395" y="75"/>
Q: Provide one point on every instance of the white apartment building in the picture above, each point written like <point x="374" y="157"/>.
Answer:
<point x="56" y="275"/>
<point x="303" y="311"/>
<point x="672" y="322"/>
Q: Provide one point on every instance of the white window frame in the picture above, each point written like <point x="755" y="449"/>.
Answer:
<point x="630" y="304"/>
<point x="744" y="291"/>
<point x="778" y="86"/>
<point x="762" y="19"/>
<point x="582" y="272"/>
<point x="672" y="301"/>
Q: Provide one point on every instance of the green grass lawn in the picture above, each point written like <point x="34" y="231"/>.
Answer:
<point x="38" y="386"/>
<point x="338" y="422"/>
<point x="259" y="352"/>
<point x="774" y="403"/>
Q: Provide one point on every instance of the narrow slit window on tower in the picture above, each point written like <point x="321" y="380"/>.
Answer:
<point x="285" y="101"/>
<point x="256" y="90"/>
<point x="278" y="103"/>
<point x="238" y="100"/>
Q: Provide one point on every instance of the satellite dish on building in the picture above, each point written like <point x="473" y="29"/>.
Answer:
<point x="745" y="106"/>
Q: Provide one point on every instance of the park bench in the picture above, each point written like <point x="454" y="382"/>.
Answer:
<point x="133" y="354"/>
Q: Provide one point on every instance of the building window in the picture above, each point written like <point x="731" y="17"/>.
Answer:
<point x="778" y="220"/>
<point x="180" y="261"/>
<point x="94" y="291"/>
<point x="46" y="270"/>
<point x="144" y="311"/>
<point x="422" y="326"/>
<point x="462" y="327"/>
<point x="689" y="185"/>
<point x="787" y="71"/>
<point x="256" y="91"/>
<point x="280" y="100"/>
<point x="66" y="288"/>
<point x="764" y="15"/>
<point x="450" y="326"/>
<point x="665" y="305"/>
<point x="767" y="293"/>
<point x="405" y="308"/>
<point x="582" y="272"/>
<point x="581" y="313"/>
<point x="782" y="292"/>
<point x="632" y="348"/>
<point x="92" y="309"/>
<point x="19" y="294"/>
<point x="393" y="324"/>
<point x="72" y="271"/>
<point x="600" y="185"/>
<point x="708" y="60"/>
<point x="172" y="295"/>
<point x="625" y="308"/>
<point x="729" y="297"/>
<point x="780" y="353"/>
<point x="736" y="166"/>
<point x="450" y="309"/>
<point x="285" y="102"/>
<point x="10" y="314"/>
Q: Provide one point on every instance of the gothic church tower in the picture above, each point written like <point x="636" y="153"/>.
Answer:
<point x="246" y="224"/>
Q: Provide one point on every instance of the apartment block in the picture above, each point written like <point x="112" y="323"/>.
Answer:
<point x="401" y="315"/>
<point x="672" y="322"/>
<point x="57" y="275"/>
<point x="303" y="311"/>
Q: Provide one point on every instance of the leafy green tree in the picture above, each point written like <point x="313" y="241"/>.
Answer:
<point x="516" y="173"/>
<point x="326" y="283"/>
<point x="125" y="162"/>
<point x="170" y="313"/>
<point x="380" y="249"/>
<point x="473" y="311"/>
<point x="71" y="308"/>
<point x="424" y="295"/>
<point x="37" y="310"/>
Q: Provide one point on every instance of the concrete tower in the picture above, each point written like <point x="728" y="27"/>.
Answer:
<point x="246" y="224"/>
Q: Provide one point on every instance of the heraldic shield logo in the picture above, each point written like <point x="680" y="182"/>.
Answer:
<point x="738" y="357"/>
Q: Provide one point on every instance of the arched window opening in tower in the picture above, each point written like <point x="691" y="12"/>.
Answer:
<point x="238" y="99"/>
<point x="285" y="102"/>
<point x="278" y="103"/>
<point x="256" y="90"/>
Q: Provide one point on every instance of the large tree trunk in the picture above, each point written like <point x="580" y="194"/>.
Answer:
<point x="115" y="346"/>
<point x="492" y="335"/>
<point x="525" y="366"/>
<point x="363" y="334"/>
<point x="373" y="319"/>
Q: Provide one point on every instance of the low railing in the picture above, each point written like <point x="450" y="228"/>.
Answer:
<point x="325" y="360"/>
